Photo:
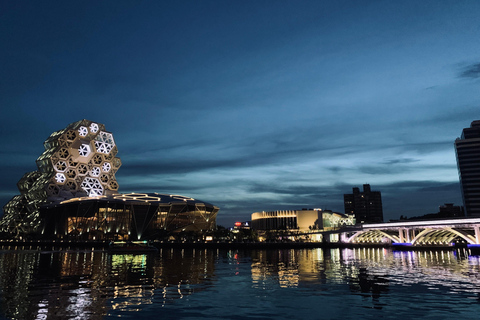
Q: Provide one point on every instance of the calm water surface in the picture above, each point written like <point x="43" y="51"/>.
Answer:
<point x="239" y="284"/>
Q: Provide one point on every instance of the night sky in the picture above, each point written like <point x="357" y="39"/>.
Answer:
<point x="249" y="105"/>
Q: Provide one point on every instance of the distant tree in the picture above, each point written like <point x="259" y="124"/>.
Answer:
<point x="248" y="235"/>
<point x="222" y="233"/>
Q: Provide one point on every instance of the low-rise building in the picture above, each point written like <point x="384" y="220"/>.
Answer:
<point x="301" y="220"/>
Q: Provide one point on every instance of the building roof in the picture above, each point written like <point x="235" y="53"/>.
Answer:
<point x="139" y="198"/>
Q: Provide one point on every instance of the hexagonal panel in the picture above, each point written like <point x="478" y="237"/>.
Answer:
<point x="71" y="185"/>
<point x="72" y="163"/>
<point x="94" y="127"/>
<point x="117" y="162"/>
<point x="104" y="142"/>
<point x="106" y="167"/>
<point x="71" y="173"/>
<point x="82" y="169"/>
<point x="84" y="150"/>
<point x="71" y="135"/>
<point x="63" y="153"/>
<point x="60" y="177"/>
<point x="92" y="187"/>
<point x="95" y="172"/>
<point x="82" y="131"/>
<point x="60" y="166"/>
<point x="97" y="159"/>
<point x="113" y="185"/>
<point x="53" y="189"/>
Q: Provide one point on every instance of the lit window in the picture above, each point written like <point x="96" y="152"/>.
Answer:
<point x="60" y="177"/>
<point x="106" y="167"/>
<point x="94" y="127"/>
<point x="92" y="186"/>
<point x="83" y="131"/>
<point x="95" y="171"/>
<point x="84" y="150"/>
<point x="104" y="142"/>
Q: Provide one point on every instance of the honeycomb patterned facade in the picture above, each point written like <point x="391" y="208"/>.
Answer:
<point x="78" y="161"/>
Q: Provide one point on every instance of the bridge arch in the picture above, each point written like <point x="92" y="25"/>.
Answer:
<point x="370" y="235"/>
<point x="445" y="235"/>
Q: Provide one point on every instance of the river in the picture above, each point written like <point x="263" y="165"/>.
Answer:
<point x="366" y="283"/>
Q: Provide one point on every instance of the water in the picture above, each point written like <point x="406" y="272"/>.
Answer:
<point x="239" y="284"/>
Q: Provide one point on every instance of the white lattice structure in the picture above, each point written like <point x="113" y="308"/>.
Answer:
<point x="78" y="161"/>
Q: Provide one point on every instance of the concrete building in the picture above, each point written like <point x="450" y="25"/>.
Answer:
<point x="467" y="149"/>
<point x="366" y="206"/>
<point x="449" y="210"/>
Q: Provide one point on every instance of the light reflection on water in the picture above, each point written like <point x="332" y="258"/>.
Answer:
<point x="368" y="283"/>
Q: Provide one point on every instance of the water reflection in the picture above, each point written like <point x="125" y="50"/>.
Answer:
<point x="73" y="284"/>
<point x="89" y="284"/>
<point x="368" y="271"/>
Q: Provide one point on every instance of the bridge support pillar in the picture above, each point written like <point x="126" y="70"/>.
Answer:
<point x="404" y="235"/>
<point x="477" y="234"/>
<point x="409" y="239"/>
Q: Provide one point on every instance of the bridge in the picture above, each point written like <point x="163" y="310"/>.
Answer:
<point x="412" y="233"/>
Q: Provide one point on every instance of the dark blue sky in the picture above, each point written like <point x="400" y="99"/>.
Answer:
<point x="249" y="105"/>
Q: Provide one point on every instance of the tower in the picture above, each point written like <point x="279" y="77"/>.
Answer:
<point x="79" y="160"/>
<point x="467" y="150"/>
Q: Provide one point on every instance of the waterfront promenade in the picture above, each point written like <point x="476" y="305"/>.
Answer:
<point x="412" y="235"/>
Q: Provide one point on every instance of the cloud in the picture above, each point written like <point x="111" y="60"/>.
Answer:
<point x="408" y="198"/>
<point x="400" y="161"/>
<point x="415" y="198"/>
<point x="472" y="71"/>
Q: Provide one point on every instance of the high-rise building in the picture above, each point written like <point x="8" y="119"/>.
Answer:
<point x="467" y="149"/>
<point x="366" y="205"/>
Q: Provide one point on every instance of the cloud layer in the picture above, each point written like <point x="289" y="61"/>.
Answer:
<point x="250" y="106"/>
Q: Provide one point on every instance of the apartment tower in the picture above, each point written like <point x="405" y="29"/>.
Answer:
<point x="366" y="205"/>
<point x="467" y="150"/>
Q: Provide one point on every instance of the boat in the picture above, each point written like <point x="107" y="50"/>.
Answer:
<point x="131" y="247"/>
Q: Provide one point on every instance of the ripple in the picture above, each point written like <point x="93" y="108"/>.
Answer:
<point x="249" y="284"/>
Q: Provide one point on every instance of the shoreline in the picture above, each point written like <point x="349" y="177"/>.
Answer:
<point x="228" y="245"/>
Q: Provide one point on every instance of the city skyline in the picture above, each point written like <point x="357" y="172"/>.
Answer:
<point x="251" y="106"/>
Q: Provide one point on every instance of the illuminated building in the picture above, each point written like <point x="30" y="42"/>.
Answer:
<point x="366" y="205"/>
<point x="242" y="225"/>
<point x="302" y="220"/>
<point x="467" y="149"/>
<point x="126" y="217"/>
<point x="74" y="195"/>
